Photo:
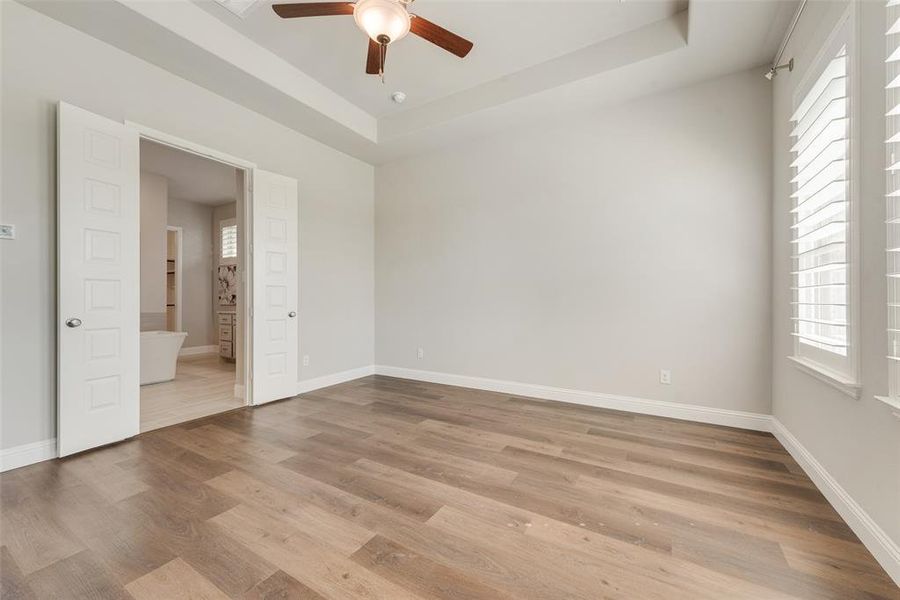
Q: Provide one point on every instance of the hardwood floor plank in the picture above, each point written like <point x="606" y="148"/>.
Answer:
<point x="78" y="577"/>
<point x="340" y="534"/>
<point x="421" y="574"/>
<point x="126" y="546"/>
<point x="175" y="580"/>
<point x="304" y="558"/>
<point x="12" y="582"/>
<point x="281" y="586"/>
<point x="34" y="536"/>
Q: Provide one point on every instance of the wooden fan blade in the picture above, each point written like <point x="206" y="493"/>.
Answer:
<point x="373" y="60"/>
<point x="312" y="9"/>
<point x="439" y="36"/>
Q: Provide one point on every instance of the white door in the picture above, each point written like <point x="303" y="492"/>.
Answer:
<point x="98" y="229"/>
<point x="275" y="274"/>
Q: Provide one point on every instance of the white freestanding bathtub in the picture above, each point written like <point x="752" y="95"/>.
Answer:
<point x="159" y="353"/>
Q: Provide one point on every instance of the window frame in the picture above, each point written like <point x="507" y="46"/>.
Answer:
<point x="840" y="372"/>
<point x="891" y="181"/>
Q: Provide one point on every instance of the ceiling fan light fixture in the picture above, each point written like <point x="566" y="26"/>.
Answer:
<point x="378" y="18"/>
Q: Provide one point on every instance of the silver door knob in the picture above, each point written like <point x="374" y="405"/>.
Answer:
<point x="292" y="314"/>
<point x="73" y="322"/>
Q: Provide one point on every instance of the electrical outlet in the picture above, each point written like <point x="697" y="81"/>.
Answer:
<point x="306" y="360"/>
<point x="7" y="232"/>
<point x="665" y="376"/>
<point x="420" y="353"/>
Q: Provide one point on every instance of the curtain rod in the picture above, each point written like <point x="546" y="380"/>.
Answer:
<point x="787" y="38"/>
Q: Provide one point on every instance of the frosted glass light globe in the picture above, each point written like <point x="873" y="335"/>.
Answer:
<point x="382" y="17"/>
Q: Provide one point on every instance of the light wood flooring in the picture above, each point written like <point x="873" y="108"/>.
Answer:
<point x="203" y="386"/>
<point x="388" y="489"/>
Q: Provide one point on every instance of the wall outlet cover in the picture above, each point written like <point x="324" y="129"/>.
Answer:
<point x="665" y="376"/>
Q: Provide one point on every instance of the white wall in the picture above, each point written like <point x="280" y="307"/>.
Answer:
<point x="45" y="61"/>
<point x="197" y="318"/>
<point x="591" y="252"/>
<point x="154" y="205"/>
<point x="856" y="441"/>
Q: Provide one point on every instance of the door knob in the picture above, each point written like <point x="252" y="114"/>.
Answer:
<point x="73" y="322"/>
<point x="292" y="314"/>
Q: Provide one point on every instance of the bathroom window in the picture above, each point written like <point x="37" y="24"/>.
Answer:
<point x="228" y="241"/>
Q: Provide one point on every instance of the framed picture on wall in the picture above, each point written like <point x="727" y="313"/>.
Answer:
<point x="228" y="285"/>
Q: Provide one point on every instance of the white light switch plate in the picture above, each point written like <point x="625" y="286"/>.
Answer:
<point x="7" y="232"/>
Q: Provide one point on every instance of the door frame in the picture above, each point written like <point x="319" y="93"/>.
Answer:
<point x="160" y="137"/>
<point x="179" y="243"/>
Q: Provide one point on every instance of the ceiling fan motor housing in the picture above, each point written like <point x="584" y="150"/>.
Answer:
<point x="384" y="21"/>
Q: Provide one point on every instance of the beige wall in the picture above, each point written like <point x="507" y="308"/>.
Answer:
<point x="197" y="317"/>
<point x="856" y="441"/>
<point x="44" y="62"/>
<point x="591" y="252"/>
<point x="154" y="206"/>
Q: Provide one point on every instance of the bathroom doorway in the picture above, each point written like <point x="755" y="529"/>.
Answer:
<point x="191" y="283"/>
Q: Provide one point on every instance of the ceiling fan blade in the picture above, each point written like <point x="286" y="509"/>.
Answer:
<point x="312" y="9"/>
<point x="373" y="60"/>
<point x="439" y="36"/>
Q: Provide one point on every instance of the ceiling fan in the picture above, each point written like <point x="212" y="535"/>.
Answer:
<point x="384" y="21"/>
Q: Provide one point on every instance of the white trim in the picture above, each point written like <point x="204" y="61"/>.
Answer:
<point x="188" y="146"/>
<point x="309" y="385"/>
<point x="238" y="390"/>
<point x="893" y="403"/>
<point x="885" y="550"/>
<point x="660" y="408"/>
<point x="27" y="454"/>
<point x="831" y="378"/>
<point x="197" y="350"/>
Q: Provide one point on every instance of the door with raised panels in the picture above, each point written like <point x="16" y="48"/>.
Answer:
<point x="275" y="287"/>
<point x="98" y="338"/>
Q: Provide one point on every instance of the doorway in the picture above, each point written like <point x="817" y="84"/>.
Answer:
<point x="192" y="339"/>
<point x="99" y="280"/>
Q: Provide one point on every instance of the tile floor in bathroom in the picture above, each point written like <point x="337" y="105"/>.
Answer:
<point x="203" y="385"/>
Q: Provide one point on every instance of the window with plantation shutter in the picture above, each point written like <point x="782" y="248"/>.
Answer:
<point x="821" y="214"/>
<point x="229" y="241"/>
<point x="892" y="123"/>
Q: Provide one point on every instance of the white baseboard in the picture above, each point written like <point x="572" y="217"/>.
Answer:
<point x="882" y="547"/>
<point x="197" y="350"/>
<point x="238" y="390"/>
<point x="27" y="454"/>
<point x="309" y="385"/>
<point x="660" y="408"/>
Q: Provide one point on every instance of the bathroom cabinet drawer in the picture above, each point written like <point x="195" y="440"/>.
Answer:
<point x="225" y="333"/>
<point x="225" y="350"/>
<point x="226" y="319"/>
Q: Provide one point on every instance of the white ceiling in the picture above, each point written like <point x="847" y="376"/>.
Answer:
<point x="191" y="178"/>
<point x="531" y="60"/>
<point x="508" y="37"/>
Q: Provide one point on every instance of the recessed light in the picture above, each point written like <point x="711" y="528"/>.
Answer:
<point x="398" y="97"/>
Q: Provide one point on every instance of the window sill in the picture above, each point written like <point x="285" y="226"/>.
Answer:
<point x="838" y="382"/>
<point x="893" y="403"/>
